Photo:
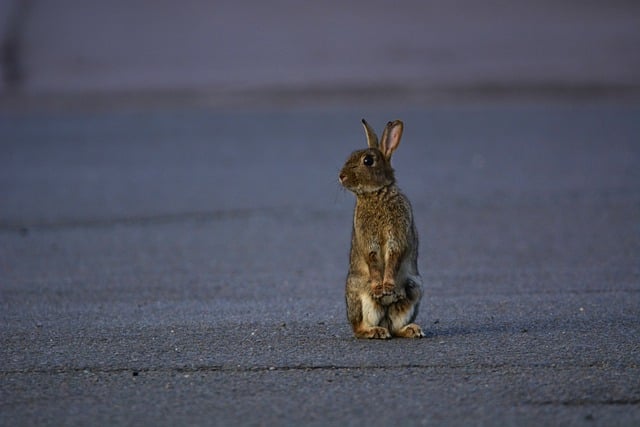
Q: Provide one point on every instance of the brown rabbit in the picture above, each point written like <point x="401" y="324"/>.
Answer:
<point x="384" y="287"/>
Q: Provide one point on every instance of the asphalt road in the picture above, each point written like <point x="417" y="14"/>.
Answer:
<point x="186" y="267"/>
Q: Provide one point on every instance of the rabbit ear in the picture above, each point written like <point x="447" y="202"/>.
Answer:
<point x="372" y="138"/>
<point x="391" y="138"/>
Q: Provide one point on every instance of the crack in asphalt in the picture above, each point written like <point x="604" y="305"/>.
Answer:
<point x="187" y="371"/>
<point x="140" y="220"/>
<point x="302" y="368"/>
<point x="587" y="402"/>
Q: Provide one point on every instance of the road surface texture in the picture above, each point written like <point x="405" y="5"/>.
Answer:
<point x="174" y="241"/>
<point x="187" y="267"/>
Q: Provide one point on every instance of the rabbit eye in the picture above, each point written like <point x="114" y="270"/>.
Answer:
<point x="367" y="160"/>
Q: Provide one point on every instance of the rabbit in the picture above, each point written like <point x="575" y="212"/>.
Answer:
<point x="384" y="287"/>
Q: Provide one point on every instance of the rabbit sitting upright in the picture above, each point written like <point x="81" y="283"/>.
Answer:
<point x="384" y="287"/>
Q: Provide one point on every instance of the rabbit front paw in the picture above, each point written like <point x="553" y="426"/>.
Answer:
<point x="380" y="290"/>
<point x="400" y="294"/>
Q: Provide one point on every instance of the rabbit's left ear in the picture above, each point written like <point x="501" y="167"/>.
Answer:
<point x="372" y="138"/>
<point x="391" y="138"/>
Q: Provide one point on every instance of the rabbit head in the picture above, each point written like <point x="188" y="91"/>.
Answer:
<point x="370" y="169"/>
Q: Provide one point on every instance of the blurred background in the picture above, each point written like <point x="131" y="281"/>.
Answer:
<point x="240" y="52"/>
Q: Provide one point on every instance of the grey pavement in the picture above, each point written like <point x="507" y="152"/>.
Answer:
<point x="187" y="267"/>
<point x="174" y="242"/>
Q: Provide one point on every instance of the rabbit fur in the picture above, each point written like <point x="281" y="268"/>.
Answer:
<point x="384" y="287"/>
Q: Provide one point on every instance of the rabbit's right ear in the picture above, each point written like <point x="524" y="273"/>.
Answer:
<point x="372" y="138"/>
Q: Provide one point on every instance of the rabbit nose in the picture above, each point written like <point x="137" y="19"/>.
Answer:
<point x="342" y="178"/>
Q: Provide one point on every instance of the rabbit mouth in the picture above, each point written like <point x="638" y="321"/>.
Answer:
<point x="359" y="188"/>
<point x="349" y="184"/>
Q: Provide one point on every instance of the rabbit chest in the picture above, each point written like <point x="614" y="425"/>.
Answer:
<point x="381" y="223"/>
